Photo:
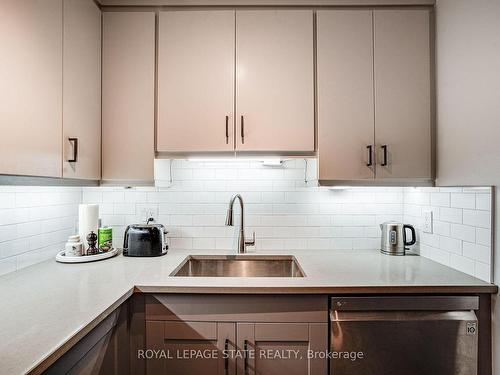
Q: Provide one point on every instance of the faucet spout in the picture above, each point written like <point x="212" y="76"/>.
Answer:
<point x="242" y="243"/>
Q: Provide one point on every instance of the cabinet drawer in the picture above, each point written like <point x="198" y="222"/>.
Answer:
<point x="190" y="330"/>
<point x="242" y="308"/>
<point x="282" y="331"/>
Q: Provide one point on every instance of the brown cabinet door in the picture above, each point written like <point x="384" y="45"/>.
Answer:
<point x="31" y="81"/>
<point x="274" y="80"/>
<point x="102" y="351"/>
<point x="82" y="90"/>
<point x="345" y="95"/>
<point x="402" y="67"/>
<point x="128" y="65"/>
<point x="282" y="348"/>
<point x="196" y="81"/>
<point x="190" y="348"/>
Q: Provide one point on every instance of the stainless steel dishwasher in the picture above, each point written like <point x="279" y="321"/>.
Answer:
<point x="418" y="335"/>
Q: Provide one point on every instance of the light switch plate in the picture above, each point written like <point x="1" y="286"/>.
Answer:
<point x="427" y="226"/>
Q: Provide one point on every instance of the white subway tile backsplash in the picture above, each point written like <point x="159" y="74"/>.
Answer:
<point x="285" y="211"/>
<point x="465" y="200"/>
<point x="181" y="220"/>
<point x="113" y="196"/>
<point x="450" y="189"/>
<point x="461" y="263"/>
<point x="461" y="235"/>
<point x="181" y="243"/>
<point x="483" y="236"/>
<point x="435" y="254"/>
<point x="9" y="232"/>
<point x="477" y="218"/>
<point x="477" y="252"/>
<point x="365" y="243"/>
<point x="319" y="243"/>
<point x="442" y="228"/>
<point x="135" y="196"/>
<point x="483" y="202"/>
<point x="35" y="223"/>
<point x="7" y="200"/>
<point x="482" y="271"/>
<point x="451" y="215"/>
<point x="463" y="232"/>
<point x="124" y="209"/>
<point x="429" y="239"/>
<point x="36" y="256"/>
<point x="342" y="243"/>
<point x="8" y="265"/>
<point x="440" y="199"/>
<point x="203" y="243"/>
<point x="417" y="197"/>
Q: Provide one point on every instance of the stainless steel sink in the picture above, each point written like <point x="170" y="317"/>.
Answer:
<point x="239" y="266"/>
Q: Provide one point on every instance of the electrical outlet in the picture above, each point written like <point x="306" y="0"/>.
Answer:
<point x="147" y="212"/>
<point x="427" y="226"/>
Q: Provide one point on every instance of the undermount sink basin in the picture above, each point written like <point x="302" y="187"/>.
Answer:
<point x="239" y="266"/>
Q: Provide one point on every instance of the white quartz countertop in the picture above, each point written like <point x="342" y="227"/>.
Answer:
<point x="47" y="307"/>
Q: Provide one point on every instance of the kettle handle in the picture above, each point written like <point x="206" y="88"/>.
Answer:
<point x="413" y="235"/>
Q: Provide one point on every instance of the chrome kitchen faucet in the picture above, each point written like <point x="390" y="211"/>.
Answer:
<point x="242" y="243"/>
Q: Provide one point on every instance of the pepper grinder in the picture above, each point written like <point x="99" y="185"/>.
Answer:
<point x="92" y="240"/>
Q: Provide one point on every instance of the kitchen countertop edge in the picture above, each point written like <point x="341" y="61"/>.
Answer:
<point x="361" y="289"/>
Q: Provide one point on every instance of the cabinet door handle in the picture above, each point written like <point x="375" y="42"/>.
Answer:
<point x="226" y="358"/>
<point x="227" y="130"/>
<point x="370" y="158"/>
<point x="242" y="129"/>
<point x="384" y="157"/>
<point x="245" y="360"/>
<point x="74" y="141"/>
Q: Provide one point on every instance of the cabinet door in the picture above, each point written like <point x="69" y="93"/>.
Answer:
<point x="190" y="347"/>
<point x="128" y="96"/>
<point x="402" y="93"/>
<point x="196" y="81"/>
<point x="282" y="348"/>
<point x="345" y="95"/>
<point x="31" y="81"/>
<point x="82" y="90"/>
<point x="274" y="80"/>
<point x="104" y="350"/>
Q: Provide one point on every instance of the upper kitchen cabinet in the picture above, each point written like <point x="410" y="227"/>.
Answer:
<point x="274" y="80"/>
<point x="374" y="95"/>
<point x="196" y="81"/>
<point x="274" y="96"/>
<point x="81" y="90"/>
<point x="345" y="95"/>
<point x="402" y="75"/>
<point x="128" y="88"/>
<point x="31" y="95"/>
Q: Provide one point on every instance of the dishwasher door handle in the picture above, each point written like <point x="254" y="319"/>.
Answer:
<point x="412" y="303"/>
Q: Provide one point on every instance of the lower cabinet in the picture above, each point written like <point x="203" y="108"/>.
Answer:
<point x="247" y="335"/>
<point x="102" y="351"/>
<point x="284" y="348"/>
<point x="190" y="347"/>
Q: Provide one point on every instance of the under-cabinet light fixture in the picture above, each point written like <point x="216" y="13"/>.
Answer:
<point x="266" y="162"/>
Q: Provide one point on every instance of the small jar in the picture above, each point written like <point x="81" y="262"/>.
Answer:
<point x="74" y="247"/>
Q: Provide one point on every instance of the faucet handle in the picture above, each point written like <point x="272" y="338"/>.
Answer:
<point x="252" y="241"/>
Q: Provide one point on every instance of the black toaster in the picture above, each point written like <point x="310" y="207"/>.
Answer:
<point x="145" y="240"/>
